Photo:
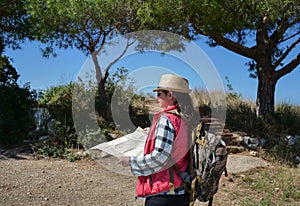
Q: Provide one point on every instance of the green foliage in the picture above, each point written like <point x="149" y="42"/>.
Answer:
<point x="48" y="149"/>
<point x="289" y="118"/>
<point x="272" y="25"/>
<point x="161" y="15"/>
<point x="16" y="114"/>
<point x="8" y="74"/>
<point x="119" y="86"/>
<point x="84" y="25"/>
<point x="58" y="143"/>
<point x="283" y="151"/>
<point x="139" y="111"/>
<point x="241" y="115"/>
<point x="14" y="24"/>
<point x="58" y="101"/>
<point x="128" y="103"/>
<point x="72" y="156"/>
<point x="203" y="101"/>
<point x="119" y="93"/>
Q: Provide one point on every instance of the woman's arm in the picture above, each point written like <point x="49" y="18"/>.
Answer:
<point x="159" y="157"/>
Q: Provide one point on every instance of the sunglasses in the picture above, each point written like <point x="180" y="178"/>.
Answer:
<point x="159" y="93"/>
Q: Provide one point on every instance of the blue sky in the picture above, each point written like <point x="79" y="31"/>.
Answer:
<point x="43" y="73"/>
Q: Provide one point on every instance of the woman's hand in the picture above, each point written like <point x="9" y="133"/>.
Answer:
<point x="146" y="130"/>
<point x="124" y="161"/>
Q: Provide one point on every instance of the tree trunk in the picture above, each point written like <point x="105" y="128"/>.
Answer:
<point x="265" y="93"/>
<point x="101" y="87"/>
<point x="102" y="96"/>
<point x="104" y="108"/>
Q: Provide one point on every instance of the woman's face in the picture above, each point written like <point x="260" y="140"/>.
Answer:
<point x="165" y="99"/>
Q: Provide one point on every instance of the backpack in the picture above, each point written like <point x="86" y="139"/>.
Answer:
<point x="208" y="158"/>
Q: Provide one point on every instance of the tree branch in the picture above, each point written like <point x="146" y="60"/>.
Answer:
<point x="88" y="35"/>
<point x="262" y="37"/>
<point x="105" y="34"/>
<point x="290" y="37"/>
<point x="128" y="44"/>
<point x="283" y="26"/>
<point x="81" y="42"/>
<point x="288" y="68"/>
<point x="235" y="47"/>
<point x="228" y="44"/>
<point x="289" y="49"/>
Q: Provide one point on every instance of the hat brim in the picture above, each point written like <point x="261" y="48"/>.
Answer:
<point x="172" y="90"/>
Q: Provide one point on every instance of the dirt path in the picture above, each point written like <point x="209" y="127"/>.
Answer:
<point x="53" y="182"/>
<point x="25" y="181"/>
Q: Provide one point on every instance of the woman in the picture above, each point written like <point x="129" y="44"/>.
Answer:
<point x="166" y="147"/>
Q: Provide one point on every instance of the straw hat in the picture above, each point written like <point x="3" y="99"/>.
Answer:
<point x="173" y="83"/>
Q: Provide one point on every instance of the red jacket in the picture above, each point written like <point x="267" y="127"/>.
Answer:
<point x="160" y="182"/>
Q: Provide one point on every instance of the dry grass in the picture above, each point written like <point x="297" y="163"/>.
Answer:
<point x="261" y="187"/>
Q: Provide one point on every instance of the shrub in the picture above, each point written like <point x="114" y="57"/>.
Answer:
<point x="16" y="115"/>
<point x="208" y="102"/>
<point x="288" y="118"/>
<point x="48" y="148"/>
<point x="58" y="101"/>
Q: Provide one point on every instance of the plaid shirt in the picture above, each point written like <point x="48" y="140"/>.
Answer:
<point x="159" y="157"/>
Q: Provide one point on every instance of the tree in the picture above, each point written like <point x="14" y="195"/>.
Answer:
<point x="86" y="25"/>
<point x="14" y="27"/>
<point x="8" y="74"/>
<point x="16" y="115"/>
<point x="267" y="32"/>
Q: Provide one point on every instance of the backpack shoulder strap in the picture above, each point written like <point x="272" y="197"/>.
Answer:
<point x="175" y="112"/>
